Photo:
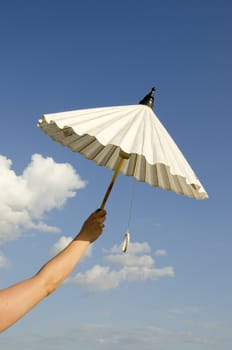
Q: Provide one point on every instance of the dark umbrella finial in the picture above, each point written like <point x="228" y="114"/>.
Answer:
<point x="148" y="100"/>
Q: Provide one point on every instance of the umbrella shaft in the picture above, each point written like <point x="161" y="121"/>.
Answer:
<point x="117" y="170"/>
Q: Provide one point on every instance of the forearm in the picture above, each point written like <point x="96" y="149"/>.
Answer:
<point x="55" y="271"/>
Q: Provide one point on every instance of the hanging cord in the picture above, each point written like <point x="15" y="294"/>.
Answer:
<point x="131" y="205"/>
<point x="126" y="239"/>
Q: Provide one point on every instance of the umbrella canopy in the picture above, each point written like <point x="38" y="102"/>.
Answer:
<point x="129" y="139"/>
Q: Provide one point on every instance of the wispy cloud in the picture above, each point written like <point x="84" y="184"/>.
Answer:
<point x="175" y="312"/>
<point x="114" y="337"/>
<point x="3" y="261"/>
<point x="211" y="325"/>
<point x="43" y="185"/>
<point x="160" y="252"/>
<point x="120" y="268"/>
<point x="147" y="338"/>
<point x="192" y="317"/>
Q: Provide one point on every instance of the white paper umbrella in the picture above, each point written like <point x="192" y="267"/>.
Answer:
<point x="127" y="139"/>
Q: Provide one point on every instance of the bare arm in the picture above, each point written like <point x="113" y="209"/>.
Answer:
<point x="17" y="300"/>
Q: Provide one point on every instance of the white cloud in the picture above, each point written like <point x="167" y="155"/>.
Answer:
<point x="44" y="185"/>
<point x="134" y="248"/>
<point x="98" y="278"/>
<point x="129" y="259"/>
<point x="129" y="267"/>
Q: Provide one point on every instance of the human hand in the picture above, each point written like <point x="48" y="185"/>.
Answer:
<point x="93" y="226"/>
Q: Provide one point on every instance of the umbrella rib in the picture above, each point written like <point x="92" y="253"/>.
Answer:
<point x="178" y="180"/>
<point x="134" y="165"/>
<point x="86" y="145"/>
<point x="157" y="176"/>
<point x="168" y="177"/>
<point x="111" y="150"/>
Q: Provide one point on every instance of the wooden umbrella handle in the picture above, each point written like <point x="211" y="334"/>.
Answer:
<point x="117" y="170"/>
<point x="123" y="156"/>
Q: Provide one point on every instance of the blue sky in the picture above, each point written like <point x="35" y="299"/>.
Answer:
<point x="64" y="55"/>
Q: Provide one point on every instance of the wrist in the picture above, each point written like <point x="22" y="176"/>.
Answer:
<point x="82" y="237"/>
